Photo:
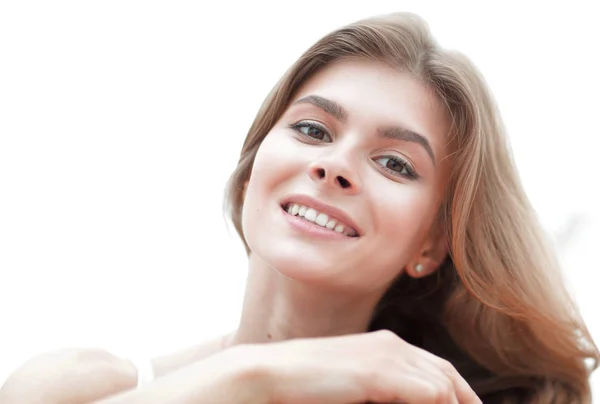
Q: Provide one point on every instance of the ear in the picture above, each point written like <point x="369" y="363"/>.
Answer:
<point x="430" y="256"/>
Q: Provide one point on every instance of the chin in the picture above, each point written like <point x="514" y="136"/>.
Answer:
<point x="296" y="254"/>
<point x="300" y="264"/>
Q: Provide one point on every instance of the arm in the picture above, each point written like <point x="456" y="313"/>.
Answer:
<point x="68" y="376"/>
<point x="232" y="376"/>
<point x="374" y="367"/>
<point x="370" y="367"/>
<point x="83" y="375"/>
<point x="163" y="365"/>
<point x="79" y="376"/>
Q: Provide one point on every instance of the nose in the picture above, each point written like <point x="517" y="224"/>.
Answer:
<point x="335" y="172"/>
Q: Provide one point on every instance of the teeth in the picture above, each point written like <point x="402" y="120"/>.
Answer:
<point x="321" y="219"/>
<point x="302" y="211"/>
<point x="311" y="214"/>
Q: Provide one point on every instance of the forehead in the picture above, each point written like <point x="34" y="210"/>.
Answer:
<point x="375" y="94"/>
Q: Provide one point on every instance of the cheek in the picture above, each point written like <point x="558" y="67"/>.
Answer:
<point x="277" y="160"/>
<point x="273" y="165"/>
<point x="401" y="217"/>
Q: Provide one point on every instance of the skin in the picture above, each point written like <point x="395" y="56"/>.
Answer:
<point x="313" y="297"/>
<point x="299" y="286"/>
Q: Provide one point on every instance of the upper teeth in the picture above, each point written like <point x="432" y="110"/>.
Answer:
<point x="319" y="218"/>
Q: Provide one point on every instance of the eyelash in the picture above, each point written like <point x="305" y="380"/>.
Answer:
<point x="412" y="174"/>
<point x="306" y="124"/>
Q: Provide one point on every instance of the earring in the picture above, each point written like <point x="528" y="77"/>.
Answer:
<point x="418" y="268"/>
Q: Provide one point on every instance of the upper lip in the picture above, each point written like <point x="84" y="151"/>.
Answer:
<point x="331" y="211"/>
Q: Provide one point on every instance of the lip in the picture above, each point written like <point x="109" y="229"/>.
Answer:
<point x="332" y="212"/>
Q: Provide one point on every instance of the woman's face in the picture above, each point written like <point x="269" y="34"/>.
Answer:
<point x="346" y="185"/>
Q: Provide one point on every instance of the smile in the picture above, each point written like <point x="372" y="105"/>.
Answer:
<point x="318" y="218"/>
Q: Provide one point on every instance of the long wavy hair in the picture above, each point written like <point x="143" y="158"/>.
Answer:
<point x="497" y="308"/>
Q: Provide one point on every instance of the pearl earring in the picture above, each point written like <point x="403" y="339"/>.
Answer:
<point x="419" y="268"/>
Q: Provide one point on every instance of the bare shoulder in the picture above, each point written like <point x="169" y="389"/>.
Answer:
<point x="68" y="376"/>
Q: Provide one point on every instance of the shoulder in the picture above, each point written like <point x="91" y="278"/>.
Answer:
<point x="68" y="376"/>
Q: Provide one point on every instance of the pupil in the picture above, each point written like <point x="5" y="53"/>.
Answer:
<point x="316" y="133"/>
<point x="393" y="165"/>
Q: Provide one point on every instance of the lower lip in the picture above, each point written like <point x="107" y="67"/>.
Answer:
<point x="313" y="229"/>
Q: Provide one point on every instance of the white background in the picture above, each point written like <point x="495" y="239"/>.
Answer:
<point x="121" y="121"/>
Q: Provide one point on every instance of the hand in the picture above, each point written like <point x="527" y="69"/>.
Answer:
<point x="376" y="367"/>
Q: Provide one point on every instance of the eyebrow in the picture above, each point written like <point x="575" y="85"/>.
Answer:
<point x="331" y="107"/>
<point x="408" y="136"/>
<point x="395" y="133"/>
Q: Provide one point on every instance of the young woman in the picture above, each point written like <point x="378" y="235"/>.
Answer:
<point x="374" y="191"/>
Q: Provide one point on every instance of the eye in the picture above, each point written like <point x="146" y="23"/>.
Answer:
<point x="397" y="166"/>
<point x="312" y="130"/>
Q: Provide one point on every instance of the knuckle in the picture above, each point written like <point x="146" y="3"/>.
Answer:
<point x="446" y="366"/>
<point x="441" y="394"/>
<point x="445" y="395"/>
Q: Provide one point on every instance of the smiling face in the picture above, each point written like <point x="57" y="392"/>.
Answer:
<point x="358" y="151"/>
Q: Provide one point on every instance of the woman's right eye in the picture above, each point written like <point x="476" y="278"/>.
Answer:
<point x="312" y="130"/>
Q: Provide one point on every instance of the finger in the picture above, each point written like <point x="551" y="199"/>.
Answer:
<point x="414" y="386"/>
<point x="444" y="385"/>
<point x="464" y="392"/>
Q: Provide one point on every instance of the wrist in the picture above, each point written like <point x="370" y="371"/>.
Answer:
<point x="237" y="374"/>
<point x="251" y="372"/>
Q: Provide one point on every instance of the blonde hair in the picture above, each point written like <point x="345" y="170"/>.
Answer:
<point x="497" y="308"/>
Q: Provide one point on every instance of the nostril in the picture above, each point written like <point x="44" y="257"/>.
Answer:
<point x="321" y="173"/>
<point x="343" y="182"/>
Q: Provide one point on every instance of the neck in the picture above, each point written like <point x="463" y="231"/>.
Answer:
<point x="278" y="308"/>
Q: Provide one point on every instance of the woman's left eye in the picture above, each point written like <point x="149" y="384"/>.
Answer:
<point x="397" y="166"/>
<point x="312" y="130"/>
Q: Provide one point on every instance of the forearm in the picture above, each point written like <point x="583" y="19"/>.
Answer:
<point x="228" y="378"/>
<point x="163" y="365"/>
